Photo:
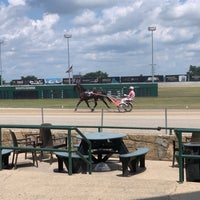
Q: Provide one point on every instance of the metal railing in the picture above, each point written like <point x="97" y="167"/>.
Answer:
<point x="69" y="149"/>
<point x="177" y="131"/>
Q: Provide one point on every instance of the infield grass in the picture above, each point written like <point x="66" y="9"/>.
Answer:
<point x="168" y="97"/>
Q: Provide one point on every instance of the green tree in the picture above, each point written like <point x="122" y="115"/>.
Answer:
<point x="97" y="74"/>
<point x="194" y="70"/>
<point x="27" y="79"/>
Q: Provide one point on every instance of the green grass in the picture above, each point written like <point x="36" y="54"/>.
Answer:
<point x="45" y="103"/>
<point x="168" y="97"/>
<point x="172" y="97"/>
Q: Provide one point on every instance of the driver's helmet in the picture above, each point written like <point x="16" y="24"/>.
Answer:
<point x="131" y="87"/>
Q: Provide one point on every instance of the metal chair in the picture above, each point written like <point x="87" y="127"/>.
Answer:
<point x="22" y="143"/>
<point x="48" y="140"/>
<point x="176" y="149"/>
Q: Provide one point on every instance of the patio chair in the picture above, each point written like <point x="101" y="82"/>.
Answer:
<point x="48" y="140"/>
<point x="176" y="149"/>
<point x="22" y="143"/>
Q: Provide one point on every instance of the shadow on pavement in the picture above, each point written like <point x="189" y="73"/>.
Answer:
<point x="182" y="196"/>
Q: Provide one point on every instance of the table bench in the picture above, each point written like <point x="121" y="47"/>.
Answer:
<point x="132" y="160"/>
<point x="5" y="157"/>
<point x="78" y="165"/>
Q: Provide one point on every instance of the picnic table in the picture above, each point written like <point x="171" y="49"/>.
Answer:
<point x="5" y="157"/>
<point x="184" y="154"/>
<point x="192" y="166"/>
<point x="103" y="145"/>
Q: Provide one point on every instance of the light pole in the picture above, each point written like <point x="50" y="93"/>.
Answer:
<point x="152" y="29"/>
<point x="1" y="68"/>
<point x="68" y="36"/>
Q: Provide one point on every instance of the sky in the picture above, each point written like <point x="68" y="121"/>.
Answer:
<point x="109" y="36"/>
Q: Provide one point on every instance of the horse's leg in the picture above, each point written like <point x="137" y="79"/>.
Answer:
<point x="78" y="104"/>
<point x="88" y="105"/>
<point x="95" y="104"/>
<point x="102" y="99"/>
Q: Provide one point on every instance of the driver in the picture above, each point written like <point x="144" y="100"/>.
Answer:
<point x="130" y="96"/>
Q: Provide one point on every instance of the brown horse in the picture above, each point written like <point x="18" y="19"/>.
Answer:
<point x="94" y="95"/>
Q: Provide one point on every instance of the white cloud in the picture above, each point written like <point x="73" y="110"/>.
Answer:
<point x="106" y="35"/>
<point x="17" y="2"/>
<point x="92" y="3"/>
<point x="86" y="18"/>
<point x="47" y="22"/>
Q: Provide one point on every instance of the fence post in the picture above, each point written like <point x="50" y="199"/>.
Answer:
<point x="166" y="120"/>
<point x="1" y="160"/>
<point x="70" y="151"/>
<point x="101" y="119"/>
<point x="42" y="113"/>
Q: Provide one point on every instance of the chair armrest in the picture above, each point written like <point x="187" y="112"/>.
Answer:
<point x="59" y="138"/>
<point x="25" y="142"/>
<point x="34" y="138"/>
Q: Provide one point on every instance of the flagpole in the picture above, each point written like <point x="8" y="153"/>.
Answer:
<point x="72" y="74"/>
<point x="68" y="36"/>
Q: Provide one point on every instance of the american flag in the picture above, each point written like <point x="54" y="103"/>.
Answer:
<point x="70" y="69"/>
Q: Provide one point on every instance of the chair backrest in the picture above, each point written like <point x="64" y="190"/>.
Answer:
<point x="195" y="137"/>
<point x="46" y="136"/>
<point x="14" y="138"/>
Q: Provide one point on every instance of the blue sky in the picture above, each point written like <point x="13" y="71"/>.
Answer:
<point x="111" y="36"/>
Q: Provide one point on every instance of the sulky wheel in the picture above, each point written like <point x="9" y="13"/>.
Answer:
<point x="129" y="107"/>
<point x="122" y="107"/>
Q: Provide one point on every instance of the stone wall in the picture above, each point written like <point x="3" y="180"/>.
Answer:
<point x="160" y="146"/>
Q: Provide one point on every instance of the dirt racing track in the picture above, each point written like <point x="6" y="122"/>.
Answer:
<point x="137" y="118"/>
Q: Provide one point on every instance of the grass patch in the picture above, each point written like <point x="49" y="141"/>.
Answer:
<point x="168" y="97"/>
<point x="171" y="97"/>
